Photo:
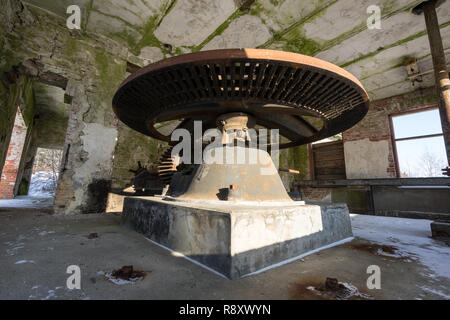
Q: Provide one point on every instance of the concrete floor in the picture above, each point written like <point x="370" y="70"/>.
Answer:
<point x="36" y="248"/>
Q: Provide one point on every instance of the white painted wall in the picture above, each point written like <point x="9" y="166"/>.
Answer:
<point x="365" y="159"/>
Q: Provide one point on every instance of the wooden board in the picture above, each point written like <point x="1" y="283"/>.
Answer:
<point x="328" y="160"/>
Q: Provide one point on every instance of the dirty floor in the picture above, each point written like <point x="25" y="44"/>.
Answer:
<point x="36" y="248"/>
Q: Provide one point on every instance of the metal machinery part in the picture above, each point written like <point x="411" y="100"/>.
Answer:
<point x="167" y="166"/>
<point x="279" y="89"/>
<point x="145" y="181"/>
<point x="307" y="99"/>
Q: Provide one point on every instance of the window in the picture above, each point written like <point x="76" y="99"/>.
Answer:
<point x="419" y="147"/>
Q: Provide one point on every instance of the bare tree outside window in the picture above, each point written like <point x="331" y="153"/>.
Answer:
<point x="431" y="164"/>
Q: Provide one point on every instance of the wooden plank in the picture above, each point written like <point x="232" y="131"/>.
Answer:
<point x="334" y="146"/>
<point x="329" y="156"/>
<point x="329" y="160"/>
<point x="330" y="163"/>
<point x="326" y="151"/>
<point x="327" y="178"/>
<point x="328" y="171"/>
<point x="327" y="144"/>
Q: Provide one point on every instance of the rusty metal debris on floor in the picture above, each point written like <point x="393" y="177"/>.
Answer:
<point x="128" y="273"/>
<point x="93" y="235"/>
<point x="333" y="289"/>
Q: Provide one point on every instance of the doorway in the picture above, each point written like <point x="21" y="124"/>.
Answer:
<point x="45" y="172"/>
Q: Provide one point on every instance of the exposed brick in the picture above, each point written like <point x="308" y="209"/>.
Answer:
<point x="13" y="156"/>
<point x="376" y="124"/>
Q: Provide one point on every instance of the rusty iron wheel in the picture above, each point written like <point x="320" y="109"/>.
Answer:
<point x="307" y="99"/>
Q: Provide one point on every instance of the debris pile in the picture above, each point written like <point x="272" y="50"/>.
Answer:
<point x="125" y="275"/>
<point x="333" y="289"/>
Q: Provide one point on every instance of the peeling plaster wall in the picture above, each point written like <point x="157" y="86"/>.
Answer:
<point x="368" y="145"/>
<point x="51" y="116"/>
<point x="88" y="154"/>
<point x="49" y="127"/>
<point x="98" y="144"/>
<point x="365" y="159"/>
<point x="95" y="67"/>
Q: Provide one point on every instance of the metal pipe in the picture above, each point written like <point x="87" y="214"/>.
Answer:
<point x="440" y="70"/>
<point x="289" y="170"/>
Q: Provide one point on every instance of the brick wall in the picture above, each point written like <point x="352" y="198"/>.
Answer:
<point x="375" y="126"/>
<point x="373" y="129"/>
<point x="12" y="161"/>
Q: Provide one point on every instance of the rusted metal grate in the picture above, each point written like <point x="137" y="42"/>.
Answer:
<point x="204" y="88"/>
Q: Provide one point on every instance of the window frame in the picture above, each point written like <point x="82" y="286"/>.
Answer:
<point x="394" y="140"/>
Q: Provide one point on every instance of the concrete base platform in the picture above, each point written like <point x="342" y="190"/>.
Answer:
<point x="239" y="239"/>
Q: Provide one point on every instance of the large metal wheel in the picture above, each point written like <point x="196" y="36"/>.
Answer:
<point x="307" y="99"/>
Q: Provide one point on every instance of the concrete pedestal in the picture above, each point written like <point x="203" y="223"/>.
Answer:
<point x="237" y="239"/>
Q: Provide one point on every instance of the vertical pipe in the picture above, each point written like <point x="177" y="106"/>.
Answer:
<point x="442" y="80"/>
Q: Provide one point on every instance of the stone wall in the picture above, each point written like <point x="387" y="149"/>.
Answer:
<point x="94" y="67"/>
<point x="49" y="127"/>
<point x="97" y="150"/>
<point x="368" y="147"/>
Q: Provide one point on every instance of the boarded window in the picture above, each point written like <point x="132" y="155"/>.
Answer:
<point x="328" y="160"/>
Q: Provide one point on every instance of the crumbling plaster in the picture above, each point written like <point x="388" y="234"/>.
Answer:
<point x="95" y="68"/>
<point x="334" y="30"/>
<point x="366" y="159"/>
